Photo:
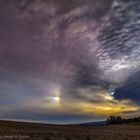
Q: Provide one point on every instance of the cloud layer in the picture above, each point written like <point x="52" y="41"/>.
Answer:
<point x="74" y="58"/>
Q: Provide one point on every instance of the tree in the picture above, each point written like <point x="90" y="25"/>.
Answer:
<point x="114" y="119"/>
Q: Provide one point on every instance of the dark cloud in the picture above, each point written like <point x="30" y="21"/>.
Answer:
<point x="32" y="46"/>
<point x="131" y="89"/>
<point x="120" y="39"/>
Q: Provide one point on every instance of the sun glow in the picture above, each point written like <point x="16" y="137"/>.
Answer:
<point x="109" y="97"/>
<point x="56" y="99"/>
<point x="55" y="95"/>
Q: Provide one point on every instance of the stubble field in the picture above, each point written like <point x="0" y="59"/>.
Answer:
<point x="32" y="131"/>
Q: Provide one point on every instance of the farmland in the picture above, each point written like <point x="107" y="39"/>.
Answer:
<point x="33" y="131"/>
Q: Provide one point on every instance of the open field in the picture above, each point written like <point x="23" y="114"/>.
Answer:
<point x="32" y="131"/>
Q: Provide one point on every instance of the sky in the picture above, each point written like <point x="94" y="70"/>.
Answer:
<point x="69" y="61"/>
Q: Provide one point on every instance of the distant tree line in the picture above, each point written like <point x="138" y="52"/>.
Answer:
<point x="119" y="120"/>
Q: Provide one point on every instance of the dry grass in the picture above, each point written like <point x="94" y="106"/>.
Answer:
<point x="30" y="131"/>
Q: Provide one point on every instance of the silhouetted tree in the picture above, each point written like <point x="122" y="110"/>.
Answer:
<point x="118" y="119"/>
<point x="111" y="119"/>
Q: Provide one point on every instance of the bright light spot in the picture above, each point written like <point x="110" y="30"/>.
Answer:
<point x="54" y="99"/>
<point x="109" y="97"/>
<point x="54" y="96"/>
<point x="57" y="99"/>
<point x="112" y="93"/>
